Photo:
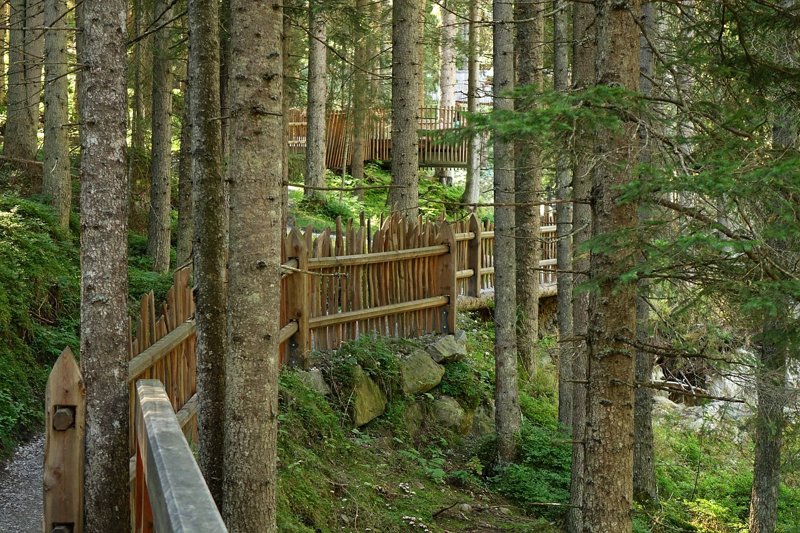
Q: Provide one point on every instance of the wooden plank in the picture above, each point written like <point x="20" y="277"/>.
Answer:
<point x="65" y="402"/>
<point x="154" y="353"/>
<point x="299" y="298"/>
<point x="474" y="256"/>
<point x="316" y="263"/>
<point x="178" y="494"/>
<point x="323" y="321"/>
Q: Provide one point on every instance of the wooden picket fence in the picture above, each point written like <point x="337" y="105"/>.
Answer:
<point x="434" y="151"/>
<point x="403" y="278"/>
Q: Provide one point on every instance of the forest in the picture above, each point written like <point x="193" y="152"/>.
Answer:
<point x="436" y="265"/>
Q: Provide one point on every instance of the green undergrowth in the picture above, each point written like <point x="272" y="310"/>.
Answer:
<point x="39" y="303"/>
<point x="333" y="477"/>
<point x="705" y="477"/>
<point x="321" y="211"/>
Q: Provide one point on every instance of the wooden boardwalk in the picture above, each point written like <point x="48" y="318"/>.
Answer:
<point x="434" y="149"/>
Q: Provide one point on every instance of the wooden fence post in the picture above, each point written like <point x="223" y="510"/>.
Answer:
<point x="447" y="277"/>
<point x="65" y="403"/>
<point x="474" y="253"/>
<point x="299" y="299"/>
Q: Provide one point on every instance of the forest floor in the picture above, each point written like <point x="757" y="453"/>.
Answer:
<point x="21" y="489"/>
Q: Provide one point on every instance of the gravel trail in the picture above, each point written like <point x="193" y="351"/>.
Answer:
<point x="21" y="489"/>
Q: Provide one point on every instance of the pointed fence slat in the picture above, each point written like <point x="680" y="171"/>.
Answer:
<point x="65" y="404"/>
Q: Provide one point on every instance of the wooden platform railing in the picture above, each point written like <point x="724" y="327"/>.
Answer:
<point x="170" y="493"/>
<point x="434" y="150"/>
<point x="403" y="279"/>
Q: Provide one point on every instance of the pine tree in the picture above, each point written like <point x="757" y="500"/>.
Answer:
<point x="104" y="263"/>
<point x="251" y="396"/>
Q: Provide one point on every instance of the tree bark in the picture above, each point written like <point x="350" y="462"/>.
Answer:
<point x="159" y="222"/>
<point x="644" y="471"/>
<point x="56" y="181"/>
<point x="472" y="187"/>
<point x="447" y="73"/>
<point x="404" y="196"/>
<point x="255" y="256"/>
<point x="104" y="264"/>
<point x="583" y="75"/>
<point x="505" y="344"/>
<point x="360" y="97"/>
<point x="771" y="386"/>
<point x="317" y="98"/>
<point x="4" y="45"/>
<point x="563" y="225"/>
<point x="26" y="49"/>
<point x="608" y="496"/>
<point x="528" y="181"/>
<point x="185" y="222"/>
<point x="209" y="238"/>
<point x="224" y="69"/>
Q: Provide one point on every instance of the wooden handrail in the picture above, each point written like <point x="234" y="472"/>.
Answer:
<point x="378" y="257"/>
<point x="159" y="349"/>
<point x="171" y="495"/>
<point x="330" y="320"/>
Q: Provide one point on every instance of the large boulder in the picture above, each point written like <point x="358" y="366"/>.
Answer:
<point x="369" y="401"/>
<point x="447" y="349"/>
<point x="448" y="412"/>
<point x="418" y="373"/>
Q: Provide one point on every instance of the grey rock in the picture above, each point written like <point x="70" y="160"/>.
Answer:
<point x="314" y="380"/>
<point x="448" y="413"/>
<point x="369" y="401"/>
<point x="483" y="420"/>
<point x="418" y="373"/>
<point x="446" y="349"/>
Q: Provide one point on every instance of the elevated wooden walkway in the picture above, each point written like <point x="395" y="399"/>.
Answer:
<point x="433" y="150"/>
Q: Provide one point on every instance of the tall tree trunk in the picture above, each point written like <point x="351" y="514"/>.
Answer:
<point x="56" y="176"/>
<point x="360" y="97"/>
<point x="137" y="123"/>
<point x="24" y="79"/>
<point x="771" y="382"/>
<point x="255" y="257"/>
<point x="644" y="471"/>
<point x="285" y="108"/>
<point x="583" y="75"/>
<point x="472" y="187"/>
<point x="4" y="45"/>
<point x="208" y="199"/>
<point x="608" y="496"/>
<point x="563" y="225"/>
<point x="104" y="263"/>
<point x="404" y="195"/>
<point x="447" y="73"/>
<point x="185" y="222"/>
<point x="224" y="69"/>
<point x="505" y="344"/>
<point x="771" y="386"/>
<point x="528" y="181"/>
<point x="317" y="98"/>
<point x="159" y="222"/>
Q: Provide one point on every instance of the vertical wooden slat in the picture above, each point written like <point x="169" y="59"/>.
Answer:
<point x="65" y="404"/>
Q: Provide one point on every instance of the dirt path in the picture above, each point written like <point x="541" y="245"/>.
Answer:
<point x="21" y="489"/>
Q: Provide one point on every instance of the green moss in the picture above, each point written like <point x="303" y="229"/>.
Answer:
<point x="462" y="381"/>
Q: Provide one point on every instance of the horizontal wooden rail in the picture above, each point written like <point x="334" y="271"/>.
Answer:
<point x="288" y="268"/>
<point x="317" y="263"/>
<point x="466" y="236"/>
<point x="172" y="487"/>
<point x="287" y="331"/>
<point x="374" y="312"/>
<point x="159" y="349"/>
<point x="461" y="274"/>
